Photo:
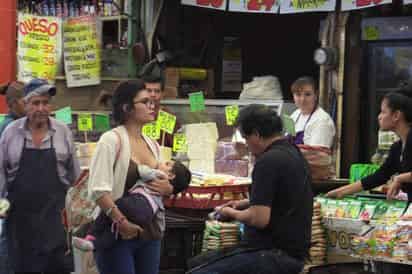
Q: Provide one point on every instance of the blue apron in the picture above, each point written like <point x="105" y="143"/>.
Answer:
<point x="35" y="231"/>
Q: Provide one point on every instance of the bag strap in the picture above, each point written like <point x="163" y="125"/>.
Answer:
<point x="118" y="149"/>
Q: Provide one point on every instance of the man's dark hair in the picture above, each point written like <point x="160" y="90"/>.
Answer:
<point x="182" y="177"/>
<point x="150" y="78"/>
<point x="259" y="119"/>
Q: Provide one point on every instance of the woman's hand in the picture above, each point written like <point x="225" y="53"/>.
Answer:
<point x="161" y="186"/>
<point x="394" y="188"/>
<point x="129" y="230"/>
<point x="336" y="193"/>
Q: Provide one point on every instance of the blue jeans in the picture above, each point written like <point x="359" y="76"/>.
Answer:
<point x="256" y="262"/>
<point x="129" y="257"/>
<point x="5" y="267"/>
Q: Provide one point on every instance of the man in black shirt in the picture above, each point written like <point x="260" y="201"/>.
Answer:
<point x="278" y="215"/>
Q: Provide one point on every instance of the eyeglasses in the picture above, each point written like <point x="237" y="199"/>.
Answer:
<point x="145" y="101"/>
<point x="155" y="90"/>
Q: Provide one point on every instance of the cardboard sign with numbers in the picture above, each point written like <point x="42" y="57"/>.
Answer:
<point x="231" y="114"/>
<point x="179" y="143"/>
<point x="151" y="130"/>
<point x="166" y="121"/>
<point x="85" y="122"/>
<point x="197" y="101"/>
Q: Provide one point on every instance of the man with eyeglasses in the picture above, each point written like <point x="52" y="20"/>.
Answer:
<point x="154" y="86"/>
<point x="37" y="165"/>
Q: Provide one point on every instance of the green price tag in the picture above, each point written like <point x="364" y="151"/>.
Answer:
<point x="288" y="125"/>
<point x="179" y="143"/>
<point x="64" y="115"/>
<point x="101" y="122"/>
<point x="151" y="130"/>
<point x="166" y="121"/>
<point x="85" y="122"/>
<point x="2" y="117"/>
<point x="197" y="101"/>
<point x="231" y="114"/>
<point x="371" y="33"/>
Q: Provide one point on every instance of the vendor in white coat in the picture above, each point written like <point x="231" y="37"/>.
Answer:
<point x="313" y="125"/>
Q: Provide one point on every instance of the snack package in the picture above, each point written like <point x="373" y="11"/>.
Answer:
<point x="323" y="204"/>
<point x="408" y="213"/>
<point x="381" y="210"/>
<point x="400" y="252"/>
<point x="332" y="205"/>
<point x="368" y="210"/>
<point x="342" y="208"/>
<point x="354" y="209"/>
<point x="395" y="210"/>
<point x="384" y="247"/>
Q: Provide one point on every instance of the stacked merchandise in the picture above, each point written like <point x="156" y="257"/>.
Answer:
<point x="388" y="228"/>
<point x="219" y="235"/>
<point x="228" y="162"/>
<point x="317" y="250"/>
<point x="386" y="241"/>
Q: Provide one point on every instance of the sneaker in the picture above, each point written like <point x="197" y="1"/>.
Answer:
<point x="83" y="244"/>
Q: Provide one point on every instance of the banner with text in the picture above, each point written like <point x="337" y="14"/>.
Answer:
<point x="211" y="4"/>
<point x="297" y="6"/>
<point x="81" y="51"/>
<point x="39" y="47"/>
<point x="361" y="4"/>
<point x="260" y="6"/>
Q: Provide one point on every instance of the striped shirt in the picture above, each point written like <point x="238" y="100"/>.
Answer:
<point x="11" y="146"/>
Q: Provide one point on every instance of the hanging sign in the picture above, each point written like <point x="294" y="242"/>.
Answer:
<point x="197" y="101"/>
<point x="260" y="6"/>
<point x="81" y="51"/>
<point x="166" y="121"/>
<point x="361" y="4"/>
<point x="2" y="117"/>
<point x="211" y="4"/>
<point x="179" y="143"/>
<point x="151" y="130"/>
<point x="39" y="46"/>
<point x="297" y="6"/>
<point x="370" y="33"/>
<point x="85" y="122"/>
<point x="64" y="115"/>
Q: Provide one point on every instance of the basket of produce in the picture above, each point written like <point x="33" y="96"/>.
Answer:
<point x="207" y="191"/>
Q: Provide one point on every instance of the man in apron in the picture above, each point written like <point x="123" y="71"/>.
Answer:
<point x="39" y="163"/>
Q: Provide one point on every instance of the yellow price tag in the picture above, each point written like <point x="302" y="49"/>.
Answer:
<point x="166" y="121"/>
<point x="85" y="122"/>
<point x="231" y="114"/>
<point x="151" y="130"/>
<point x="179" y="143"/>
<point x="371" y="33"/>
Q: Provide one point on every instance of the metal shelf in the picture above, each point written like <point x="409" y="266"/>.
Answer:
<point x="382" y="259"/>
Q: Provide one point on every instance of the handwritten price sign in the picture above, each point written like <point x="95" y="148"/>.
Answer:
<point x="166" y="121"/>
<point x="262" y="6"/>
<point x="231" y="114"/>
<point x="85" y="122"/>
<point x="179" y="143"/>
<point x="211" y="4"/>
<point x="297" y="6"/>
<point x="152" y="131"/>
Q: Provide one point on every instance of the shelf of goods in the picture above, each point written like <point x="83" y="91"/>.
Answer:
<point x="368" y="229"/>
